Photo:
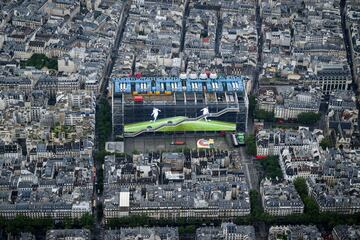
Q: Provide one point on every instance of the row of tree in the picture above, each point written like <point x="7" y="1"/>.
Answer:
<point x="250" y="143"/>
<point x="311" y="207"/>
<point x="103" y="122"/>
<point x="264" y="115"/>
<point x="103" y="131"/>
<point x="307" y="118"/>
<point x="39" y="226"/>
<point x="252" y="105"/>
<point x="185" y="225"/>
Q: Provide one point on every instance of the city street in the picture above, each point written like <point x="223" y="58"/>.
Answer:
<point x="250" y="170"/>
<point x="98" y="231"/>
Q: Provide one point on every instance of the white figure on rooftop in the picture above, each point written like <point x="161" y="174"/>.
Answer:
<point x="205" y="112"/>
<point x="155" y="114"/>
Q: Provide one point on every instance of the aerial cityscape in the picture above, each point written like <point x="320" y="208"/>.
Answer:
<point x="179" y="119"/>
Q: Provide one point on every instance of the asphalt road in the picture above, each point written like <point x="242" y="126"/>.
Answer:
<point x="251" y="173"/>
<point x="260" y="44"/>
<point x="183" y="25"/>
<point x="98" y="231"/>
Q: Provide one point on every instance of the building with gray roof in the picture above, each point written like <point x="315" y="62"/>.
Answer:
<point x="78" y="234"/>
<point x="335" y="189"/>
<point x="205" y="200"/>
<point x="226" y="231"/>
<point x="346" y="232"/>
<point x="144" y="233"/>
<point x="271" y="141"/>
<point x="280" y="199"/>
<point x="294" y="232"/>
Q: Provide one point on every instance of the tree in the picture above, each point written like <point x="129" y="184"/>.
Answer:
<point x="311" y="207"/>
<point x="252" y="105"/>
<point x="326" y="143"/>
<point x="100" y="156"/>
<point x="99" y="210"/>
<point x="131" y="221"/>
<point x="264" y="115"/>
<point x="25" y="224"/>
<point x="255" y="204"/>
<point x="301" y="186"/>
<point x="271" y="167"/>
<point x="308" y="118"/>
<point x="41" y="60"/>
<point x="52" y="64"/>
<point x="67" y="222"/>
<point x="87" y="220"/>
<point x="100" y="180"/>
<point x="190" y="229"/>
<point x="250" y="144"/>
<point x="19" y="223"/>
<point x="103" y="122"/>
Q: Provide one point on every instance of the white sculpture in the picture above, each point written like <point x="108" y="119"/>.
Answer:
<point x="205" y="112"/>
<point x="155" y="114"/>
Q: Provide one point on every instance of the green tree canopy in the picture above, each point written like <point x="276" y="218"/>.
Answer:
<point x="103" y="122"/>
<point x="326" y="143"/>
<point x="41" y="60"/>
<point x="264" y="115"/>
<point x="308" y="118"/>
<point x="87" y="220"/>
<point x="255" y="204"/>
<point x="311" y="207"/>
<point x="271" y="167"/>
<point x="25" y="224"/>
<point x="250" y="144"/>
<point x="301" y="186"/>
<point x="252" y="105"/>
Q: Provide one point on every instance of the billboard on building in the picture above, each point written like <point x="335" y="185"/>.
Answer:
<point x="157" y="121"/>
<point x="205" y="143"/>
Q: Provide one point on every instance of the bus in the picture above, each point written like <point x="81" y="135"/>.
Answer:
<point x="240" y="137"/>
